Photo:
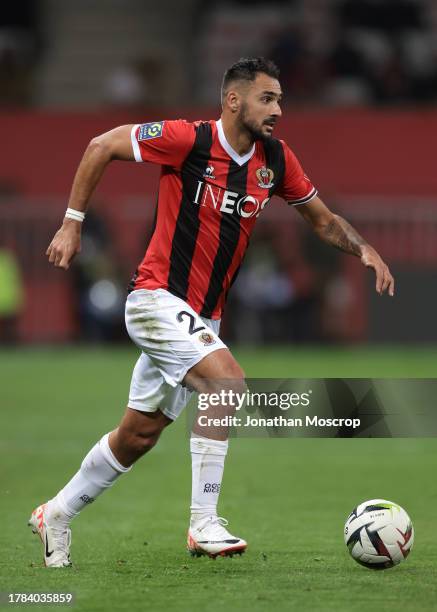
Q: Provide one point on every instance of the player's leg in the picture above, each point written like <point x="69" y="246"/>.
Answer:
<point x="112" y="456"/>
<point x="137" y="434"/>
<point x="187" y="349"/>
<point x="217" y="372"/>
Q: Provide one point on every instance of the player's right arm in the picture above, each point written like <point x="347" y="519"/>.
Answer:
<point x="161" y="142"/>
<point x="112" y="145"/>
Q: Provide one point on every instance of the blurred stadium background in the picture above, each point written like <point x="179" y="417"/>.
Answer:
<point x="360" y="78"/>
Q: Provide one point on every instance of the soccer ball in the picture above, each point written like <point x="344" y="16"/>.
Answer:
<point x="379" y="534"/>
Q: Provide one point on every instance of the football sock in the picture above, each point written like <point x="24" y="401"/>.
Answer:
<point x="97" y="473"/>
<point x="208" y="460"/>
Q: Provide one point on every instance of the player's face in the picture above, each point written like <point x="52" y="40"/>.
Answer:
<point x="260" y="107"/>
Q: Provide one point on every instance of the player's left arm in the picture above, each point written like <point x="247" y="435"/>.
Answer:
<point x="336" y="231"/>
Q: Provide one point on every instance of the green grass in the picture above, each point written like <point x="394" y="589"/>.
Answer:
<point x="288" y="497"/>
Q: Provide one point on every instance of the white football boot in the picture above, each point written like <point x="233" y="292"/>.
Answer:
<point x="56" y="539"/>
<point x="208" y="536"/>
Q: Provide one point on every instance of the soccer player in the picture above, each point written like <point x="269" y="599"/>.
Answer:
<point x="216" y="179"/>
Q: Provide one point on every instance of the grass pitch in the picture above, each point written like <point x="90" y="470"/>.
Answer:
<point x="288" y="497"/>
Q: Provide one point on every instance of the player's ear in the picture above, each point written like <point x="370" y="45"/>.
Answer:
<point x="233" y="101"/>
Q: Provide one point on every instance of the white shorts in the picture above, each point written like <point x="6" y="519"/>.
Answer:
<point x="172" y="338"/>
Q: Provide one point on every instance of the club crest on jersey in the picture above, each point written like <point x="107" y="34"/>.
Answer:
<point x="206" y="338"/>
<point x="150" y="130"/>
<point x="209" y="173"/>
<point x="265" y="177"/>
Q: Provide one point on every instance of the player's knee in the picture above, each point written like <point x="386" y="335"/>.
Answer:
<point x="232" y="380"/>
<point x="232" y="376"/>
<point x="235" y="371"/>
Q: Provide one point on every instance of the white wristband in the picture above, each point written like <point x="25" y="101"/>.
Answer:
<point x="77" y="215"/>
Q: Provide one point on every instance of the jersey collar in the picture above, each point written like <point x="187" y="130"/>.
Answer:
<point x="239" y="159"/>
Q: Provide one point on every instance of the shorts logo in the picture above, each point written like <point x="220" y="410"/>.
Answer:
<point x="150" y="130"/>
<point x="206" y="338"/>
<point x="265" y="177"/>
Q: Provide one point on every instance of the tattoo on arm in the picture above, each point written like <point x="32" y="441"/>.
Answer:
<point x="340" y="234"/>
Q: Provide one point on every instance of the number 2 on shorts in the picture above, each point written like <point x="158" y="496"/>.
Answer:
<point x="191" y="329"/>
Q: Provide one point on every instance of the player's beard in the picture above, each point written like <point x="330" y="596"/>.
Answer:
<point x="253" y="128"/>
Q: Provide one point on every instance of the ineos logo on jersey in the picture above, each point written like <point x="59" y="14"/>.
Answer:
<point x="228" y="201"/>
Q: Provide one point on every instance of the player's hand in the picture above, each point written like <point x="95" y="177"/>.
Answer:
<point x="384" y="279"/>
<point x="65" y="244"/>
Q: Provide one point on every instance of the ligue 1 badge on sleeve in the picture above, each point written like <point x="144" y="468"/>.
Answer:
<point x="265" y="177"/>
<point x="150" y="130"/>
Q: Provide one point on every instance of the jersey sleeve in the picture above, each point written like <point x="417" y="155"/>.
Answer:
<point x="296" y="188"/>
<point x="163" y="142"/>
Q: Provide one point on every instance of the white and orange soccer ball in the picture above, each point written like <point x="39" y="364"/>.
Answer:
<point x="379" y="534"/>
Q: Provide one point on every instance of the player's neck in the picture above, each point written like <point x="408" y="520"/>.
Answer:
<point x="240" y="141"/>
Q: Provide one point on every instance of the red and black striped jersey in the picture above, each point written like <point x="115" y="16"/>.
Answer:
<point x="209" y="200"/>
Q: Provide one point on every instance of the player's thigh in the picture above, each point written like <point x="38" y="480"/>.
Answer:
<point x="218" y="378"/>
<point x="170" y="333"/>
<point x="214" y="371"/>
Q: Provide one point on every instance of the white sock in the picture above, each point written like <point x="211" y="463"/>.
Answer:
<point x="97" y="473"/>
<point x="208" y="460"/>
